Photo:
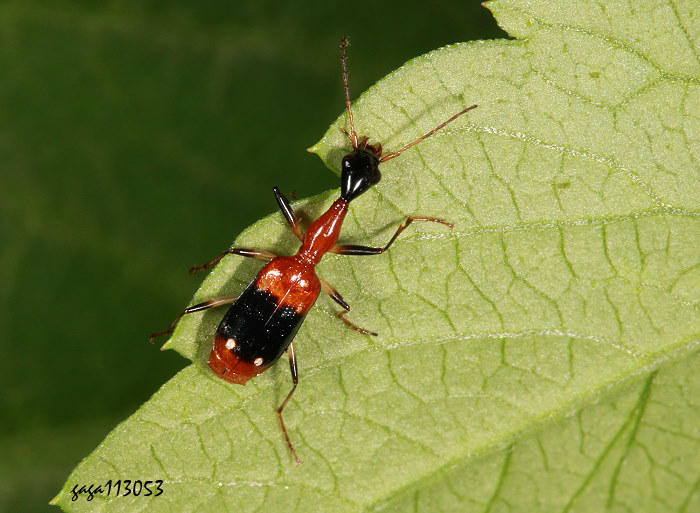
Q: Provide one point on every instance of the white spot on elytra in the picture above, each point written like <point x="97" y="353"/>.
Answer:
<point x="230" y="343"/>
<point x="258" y="361"/>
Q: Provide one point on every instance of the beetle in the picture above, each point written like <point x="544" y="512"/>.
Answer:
<point x="261" y="323"/>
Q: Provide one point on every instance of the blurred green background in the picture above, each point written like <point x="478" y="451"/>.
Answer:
<point x="138" y="138"/>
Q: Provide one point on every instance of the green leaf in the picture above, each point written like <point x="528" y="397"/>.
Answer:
<point x="538" y="357"/>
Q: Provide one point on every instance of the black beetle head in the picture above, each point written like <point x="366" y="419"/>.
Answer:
<point x="360" y="171"/>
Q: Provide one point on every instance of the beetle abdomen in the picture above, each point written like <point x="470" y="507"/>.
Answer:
<point x="260" y="325"/>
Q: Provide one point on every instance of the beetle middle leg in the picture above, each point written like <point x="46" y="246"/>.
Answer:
<point x="260" y="254"/>
<point x="335" y="296"/>
<point x="250" y="253"/>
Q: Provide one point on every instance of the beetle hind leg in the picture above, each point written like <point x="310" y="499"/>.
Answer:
<point x="212" y="303"/>
<point x="295" y="381"/>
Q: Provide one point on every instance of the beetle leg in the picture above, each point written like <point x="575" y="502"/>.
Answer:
<point x="335" y="296"/>
<point x="212" y="303"/>
<point x="250" y="253"/>
<point x="288" y="213"/>
<point x="351" y="249"/>
<point x="295" y="381"/>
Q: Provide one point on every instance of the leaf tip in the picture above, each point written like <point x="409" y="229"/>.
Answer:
<point x="487" y="4"/>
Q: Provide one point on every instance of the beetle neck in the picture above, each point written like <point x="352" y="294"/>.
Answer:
<point x="323" y="233"/>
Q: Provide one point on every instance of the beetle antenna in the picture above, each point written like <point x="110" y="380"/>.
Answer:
<point x="390" y="156"/>
<point x="352" y="136"/>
